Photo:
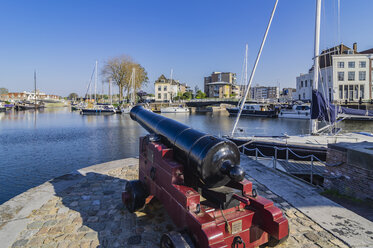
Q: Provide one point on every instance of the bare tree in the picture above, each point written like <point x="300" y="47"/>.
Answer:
<point x="119" y="69"/>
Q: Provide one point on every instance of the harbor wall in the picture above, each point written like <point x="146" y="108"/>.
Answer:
<point x="352" y="170"/>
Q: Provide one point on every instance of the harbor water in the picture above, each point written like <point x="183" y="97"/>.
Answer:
<point x="38" y="146"/>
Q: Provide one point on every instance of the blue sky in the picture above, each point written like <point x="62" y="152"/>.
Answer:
<point x="62" y="39"/>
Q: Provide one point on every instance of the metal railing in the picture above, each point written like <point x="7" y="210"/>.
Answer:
<point x="274" y="158"/>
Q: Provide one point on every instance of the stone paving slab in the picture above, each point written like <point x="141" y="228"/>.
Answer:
<point x="85" y="210"/>
<point x="344" y="224"/>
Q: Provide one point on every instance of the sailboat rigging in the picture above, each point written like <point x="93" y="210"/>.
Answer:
<point x="254" y="69"/>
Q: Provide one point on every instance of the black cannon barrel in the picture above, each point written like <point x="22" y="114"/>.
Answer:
<point x="213" y="160"/>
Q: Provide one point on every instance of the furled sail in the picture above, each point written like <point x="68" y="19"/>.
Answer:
<point x="322" y="110"/>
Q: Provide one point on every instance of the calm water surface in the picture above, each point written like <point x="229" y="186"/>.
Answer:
<point x="36" y="147"/>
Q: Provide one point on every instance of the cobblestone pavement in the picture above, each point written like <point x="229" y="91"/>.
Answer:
<point x="90" y="214"/>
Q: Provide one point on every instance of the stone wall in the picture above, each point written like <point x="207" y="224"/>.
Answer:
<point x="352" y="173"/>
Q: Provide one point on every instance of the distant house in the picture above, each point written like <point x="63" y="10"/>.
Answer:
<point x="166" y="89"/>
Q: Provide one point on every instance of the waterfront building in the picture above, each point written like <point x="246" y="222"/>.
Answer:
<point x="263" y="93"/>
<point x="221" y="85"/>
<point x="166" y="89"/>
<point x="345" y="75"/>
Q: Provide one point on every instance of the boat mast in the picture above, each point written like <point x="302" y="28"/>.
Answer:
<point x="314" y="85"/>
<point x="111" y="98"/>
<point x="246" y="54"/>
<point x="172" y="70"/>
<point x="35" y="86"/>
<point x="96" y="82"/>
<point x="254" y="69"/>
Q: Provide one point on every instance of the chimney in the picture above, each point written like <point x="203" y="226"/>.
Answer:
<point x="354" y="46"/>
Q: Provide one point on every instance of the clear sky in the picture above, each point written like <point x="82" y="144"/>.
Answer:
<point x="62" y="39"/>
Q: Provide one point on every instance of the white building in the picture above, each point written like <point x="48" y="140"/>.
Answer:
<point x="167" y="89"/>
<point x="345" y="74"/>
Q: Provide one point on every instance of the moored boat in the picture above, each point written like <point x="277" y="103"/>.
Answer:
<point x="99" y="109"/>
<point x="29" y="105"/>
<point x="177" y="109"/>
<point x="255" y="110"/>
<point x="296" y="111"/>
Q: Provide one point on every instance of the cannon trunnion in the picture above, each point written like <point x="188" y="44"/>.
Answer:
<point x="198" y="179"/>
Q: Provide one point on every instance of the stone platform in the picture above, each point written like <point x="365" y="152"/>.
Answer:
<point x="84" y="209"/>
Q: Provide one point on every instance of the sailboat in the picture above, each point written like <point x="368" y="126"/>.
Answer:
<point x="317" y="141"/>
<point x="32" y="102"/>
<point x="97" y="108"/>
<point x="252" y="109"/>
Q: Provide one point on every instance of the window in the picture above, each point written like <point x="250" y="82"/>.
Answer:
<point x="356" y="91"/>
<point x="340" y="91"/>
<point x="341" y="64"/>
<point x="362" y="75"/>
<point x="301" y="84"/>
<point x="351" y="64"/>
<point x="362" y="64"/>
<point x="341" y="76"/>
<point x="346" y="91"/>
<point x="329" y="78"/>
<point x="165" y="88"/>
<point x="159" y="96"/>
<point x="159" y="88"/>
<point x="304" y="96"/>
<point x="351" y="92"/>
<point x="165" y="96"/>
<point x="351" y="76"/>
<point x="305" y="83"/>
<point x="362" y="91"/>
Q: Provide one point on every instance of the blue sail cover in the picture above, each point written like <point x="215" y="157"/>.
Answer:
<point x="360" y="112"/>
<point x="320" y="109"/>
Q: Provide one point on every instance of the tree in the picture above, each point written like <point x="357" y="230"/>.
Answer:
<point x="200" y="95"/>
<point x="187" y="95"/>
<point x="119" y="70"/>
<point x="72" y="96"/>
<point x="4" y="91"/>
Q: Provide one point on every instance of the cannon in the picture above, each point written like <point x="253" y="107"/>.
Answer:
<point x="199" y="180"/>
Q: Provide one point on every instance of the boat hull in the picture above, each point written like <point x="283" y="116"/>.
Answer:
<point x="174" y="110"/>
<point x="253" y="113"/>
<point x="97" y="112"/>
<point x="303" y="116"/>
